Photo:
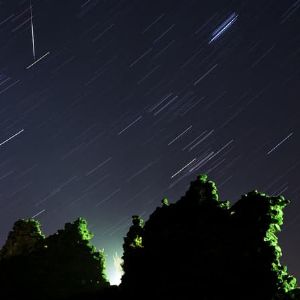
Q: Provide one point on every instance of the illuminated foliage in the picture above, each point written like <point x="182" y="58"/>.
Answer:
<point x="133" y="244"/>
<point x="64" y="264"/>
<point x="200" y="243"/>
<point x="199" y="246"/>
<point x="25" y="236"/>
<point x="74" y="265"/>
<point x="137" y="242"/>
<point x="165" y="202"/>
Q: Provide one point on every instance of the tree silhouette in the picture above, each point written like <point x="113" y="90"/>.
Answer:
<point x="24" y="238"/>
<point x="206" y="247"/>
<point x="133" y="244"/>
<point x="64" y="265"/>
<point x="18" y="272"/>
<point x="198" y="247"/>
<point x="73" y="265"/>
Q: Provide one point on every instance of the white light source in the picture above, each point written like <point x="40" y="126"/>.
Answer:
<point x="115" y="274"/>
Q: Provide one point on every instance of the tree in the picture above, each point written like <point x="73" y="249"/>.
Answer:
<point x="203" y="246"/>
<point x="59" y="266"/>
<point x="24" y="238"/>
<point x="17" y="266"/>
<point x="73" y="265"/>
<point x="133" y="246"/>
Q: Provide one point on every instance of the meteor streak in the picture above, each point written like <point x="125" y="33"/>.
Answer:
<point x="10" y="138"/>
<point x="32" y="32"/>
<point x="223" y="27"/>
<point x="36" y="61"/>
<point x="33" y="41"/>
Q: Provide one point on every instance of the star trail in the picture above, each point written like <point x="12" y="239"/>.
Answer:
<point x="107" y="107"/>
<point x="223" y="27"/>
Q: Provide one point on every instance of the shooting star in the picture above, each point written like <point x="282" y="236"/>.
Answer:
<point x="33" y="41"/>
<point x="281" y="142"/>
<point x="32" y="32"/>
<point x="37" y="214"/>
<point x="36" y="61"/>
<point x="223" y="27"/>
<point x="10" y="138"/>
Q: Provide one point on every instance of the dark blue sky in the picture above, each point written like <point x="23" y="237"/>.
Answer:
<point x="136" y="98"/>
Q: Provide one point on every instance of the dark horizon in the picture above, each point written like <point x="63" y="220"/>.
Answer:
<point x="127" y="102"/>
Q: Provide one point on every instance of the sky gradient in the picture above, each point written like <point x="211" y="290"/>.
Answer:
<point x="118" y="104"/>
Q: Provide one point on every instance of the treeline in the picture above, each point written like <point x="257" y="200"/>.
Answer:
<point x="197" y="248"/>
<point x="59" y="266"/>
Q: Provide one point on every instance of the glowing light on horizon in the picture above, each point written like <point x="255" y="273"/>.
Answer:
<point x="116" y="274"/>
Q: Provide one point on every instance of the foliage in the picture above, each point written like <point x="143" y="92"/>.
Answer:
<point x="73" y="264"/>
<point x="133" y="243"/>
<point x="198" y="247"/>
<point x="199" y="243"/>
<point x="63" y="265"/>
<point x="25" y="236"/>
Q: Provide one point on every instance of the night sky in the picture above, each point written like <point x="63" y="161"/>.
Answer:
<point x="118" y="104"/>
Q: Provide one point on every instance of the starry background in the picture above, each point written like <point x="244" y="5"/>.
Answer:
<point x="135" y="99"/>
